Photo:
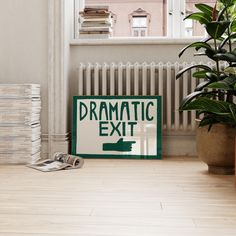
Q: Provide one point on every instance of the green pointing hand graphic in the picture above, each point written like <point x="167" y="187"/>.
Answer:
<point x="119" y="146"/>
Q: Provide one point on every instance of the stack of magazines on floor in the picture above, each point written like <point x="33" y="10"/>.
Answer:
<point x="20" y="131"/>
<point x="95" y="22"/>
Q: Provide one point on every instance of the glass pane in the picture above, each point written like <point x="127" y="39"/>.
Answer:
<point x="130" y="14"/>
<point x="139" y="21"/>
<point x="143" y="33"/>
<point x="136" y="33"/>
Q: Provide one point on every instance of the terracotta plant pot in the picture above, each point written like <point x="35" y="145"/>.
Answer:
<point x="235" y="161"/>
<point x="216" y="148"/>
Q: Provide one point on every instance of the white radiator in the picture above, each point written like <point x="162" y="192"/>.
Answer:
<point x="142" y="79"/>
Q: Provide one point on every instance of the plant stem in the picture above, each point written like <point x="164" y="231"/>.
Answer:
<point x="229" y="97"/>
<point x="228" y="31"/>
<point x="220" y="94"/>
<point x="217" y="61"/>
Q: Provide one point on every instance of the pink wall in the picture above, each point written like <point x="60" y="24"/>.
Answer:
<point x="123" y="10"/>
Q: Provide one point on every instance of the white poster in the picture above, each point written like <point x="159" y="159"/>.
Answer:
<point x="122" y="127"/>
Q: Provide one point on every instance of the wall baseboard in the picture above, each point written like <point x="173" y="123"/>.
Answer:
<point x="60" y="143"/>
<point x="172" y="145"/>
<point x="179" y="145"/>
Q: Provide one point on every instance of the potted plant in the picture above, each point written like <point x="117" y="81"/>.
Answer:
<point x="213" y="97"/>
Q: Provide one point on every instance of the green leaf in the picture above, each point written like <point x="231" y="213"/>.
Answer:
<point x="221" y="38"/>
<point x="221" y="14"/>
<point x="227" y="3"/>
<point x="208" y="120"/>
<point x="233" y="26"/>
<point x="219" y="85"/>
<point x="229" y="57"/>
<point x="205" y="41"/>
<point x="179" y="74"/>
<point x="196" y="45"/>
<point x="208" y="105"/>
<point x="233" y="35"/>
<point x="200" y="54"/>
<point x="189" y="98"/>
<point x="202" y="85"/>
<point x="212" y="76"/>
<point x="216" y="28"/>
<point x="223" y="76"/>
<point x="210" y="53"/>
<point x="204" y="8"/>
<point x="201" y="17"/>
<point x="200" y="74"/>
<point x="226" y="84"/>
<point x="230" y="80"/>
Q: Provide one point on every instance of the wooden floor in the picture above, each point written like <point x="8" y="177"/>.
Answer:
<point x="174" y="196"/>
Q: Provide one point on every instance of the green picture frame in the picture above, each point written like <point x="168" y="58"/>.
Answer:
<point x="75" y="129"/>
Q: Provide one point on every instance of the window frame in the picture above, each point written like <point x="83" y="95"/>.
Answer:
<point x="175" y="25"/>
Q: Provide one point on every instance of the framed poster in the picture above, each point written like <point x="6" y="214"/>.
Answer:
<point x="117" y="127"/>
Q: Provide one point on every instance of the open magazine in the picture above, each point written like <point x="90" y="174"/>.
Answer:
<point x="60" y="161"/>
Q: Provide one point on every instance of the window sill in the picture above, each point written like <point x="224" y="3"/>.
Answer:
<point x="133" y="41"/>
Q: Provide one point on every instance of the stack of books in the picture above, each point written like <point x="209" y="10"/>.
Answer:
<point x="20" y="131"/>
<point x="95" y="22"/>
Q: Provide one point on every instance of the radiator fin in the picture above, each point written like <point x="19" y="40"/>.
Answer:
<point x="143" y="79"/>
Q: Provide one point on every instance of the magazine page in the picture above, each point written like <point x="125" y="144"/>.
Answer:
<point x="59" y="161"/>
<point x="49" y="165"/>
<point x="73" y="161"/>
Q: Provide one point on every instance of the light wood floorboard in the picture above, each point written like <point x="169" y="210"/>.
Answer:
<point x="174" y="197"/>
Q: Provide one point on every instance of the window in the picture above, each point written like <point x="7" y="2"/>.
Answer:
<point x="154" y="18"/>
<point x="139" y="26"/>
<point x="139" y="23"/>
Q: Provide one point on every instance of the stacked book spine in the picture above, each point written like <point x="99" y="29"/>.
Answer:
<point x="20" y="131"/>
<point x="95" y="22"/>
